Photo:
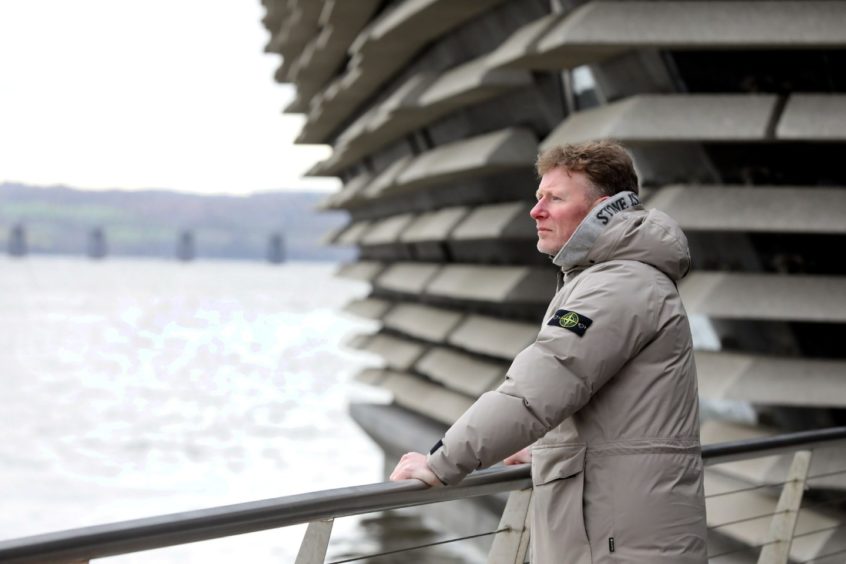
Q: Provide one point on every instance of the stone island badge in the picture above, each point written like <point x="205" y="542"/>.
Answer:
<point x="571" y="320"/>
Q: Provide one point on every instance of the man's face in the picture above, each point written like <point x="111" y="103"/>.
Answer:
<point x="564" y="199"/>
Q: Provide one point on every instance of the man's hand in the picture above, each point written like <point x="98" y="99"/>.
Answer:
<point x="520" y="457"/>
<point x="413" y="465"/>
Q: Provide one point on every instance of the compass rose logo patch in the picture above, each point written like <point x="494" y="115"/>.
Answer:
<point x="575" y="322"/>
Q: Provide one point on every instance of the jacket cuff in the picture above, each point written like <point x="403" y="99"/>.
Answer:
<point x="446" y="472"/>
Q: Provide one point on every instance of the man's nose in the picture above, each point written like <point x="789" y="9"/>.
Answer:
<point x="538" y="210"/>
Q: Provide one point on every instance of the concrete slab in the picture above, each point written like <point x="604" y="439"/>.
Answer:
<point x="422" y="321"/>
<point x="460" y="371"/>
<point x="671" y="118"/>
<point x="758" y="209"/>
<point x="501" y="284"/>
<point x="509" y="220"/>
<point x="507" y="149"/>
<point x="408" y="277"/>
<point x="361" y="270"/>
<point x="765" y="296"/>
<point x="387" y="230"/>
<point x="598" y="30"/>
<point x="813" y="117"/>
<point x="368" y="308"/>
<point x="434" y="226"/>
<point x="500" y="338"/>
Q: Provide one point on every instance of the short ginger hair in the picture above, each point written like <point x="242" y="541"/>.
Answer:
<point x="607" y="165"/>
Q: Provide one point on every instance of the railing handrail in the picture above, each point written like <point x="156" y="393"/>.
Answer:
<point x="204" y="524"/>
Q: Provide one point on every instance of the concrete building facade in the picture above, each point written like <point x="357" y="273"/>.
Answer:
<point x="735" y="112"/>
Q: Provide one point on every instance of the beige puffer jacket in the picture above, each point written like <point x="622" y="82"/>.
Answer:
<point x="609" y="388"/>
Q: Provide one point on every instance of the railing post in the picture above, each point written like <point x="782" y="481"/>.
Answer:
<point x="315" y="542"/>
<point x="777" y="549"/>
<point x="510" y="546"/>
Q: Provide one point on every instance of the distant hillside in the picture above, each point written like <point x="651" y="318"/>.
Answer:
<point x="148" y="223"/>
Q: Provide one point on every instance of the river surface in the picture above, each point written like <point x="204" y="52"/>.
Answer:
<point x="133" y="388"/>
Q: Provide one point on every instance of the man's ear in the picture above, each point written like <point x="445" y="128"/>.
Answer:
<point x="599" y="199"/>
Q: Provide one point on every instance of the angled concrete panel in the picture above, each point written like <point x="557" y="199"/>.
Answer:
<point x="348" y="193"/>
<point x="353" y="233"/>
<point x="407" y="277"/>
<point x="507" y="149"/>
<point x="771" y="380"/>
<point x="460" y="371"/>
<point x="598" y="30"/>
<point x="434" y="226"/>
<point x="520" y="48"/>
<point x="358" y="341"/>
<point x="378" y="52"/>
<point x="298" y="28"/>
<point x="387" y="230"/>
<point x="765" y="296"/>
<point x="423" y="99"/>
<point x="501" y="284"/>
<point x="508" y="220"/>
<point x="758" y="209"/>
<point x="387" y="179"/>
<point x="671" y="118"/>
<point x="399" y="354"/>
<point x="369" y="308"/>
<point x="422" y="321"/>
<point x="813" y="117"/>
<point x="340" y="22"/>
<point x="492" y="336"/>
<point x="424" y="397"/>
<point x="361" y="270"/>
<point x="371" y="376"/>
<point x="469" y="83"/>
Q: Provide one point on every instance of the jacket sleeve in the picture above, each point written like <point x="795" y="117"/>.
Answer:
<point x="555" y="376"/>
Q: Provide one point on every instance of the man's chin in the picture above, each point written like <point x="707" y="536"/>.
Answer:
<point x="545" y="249"/>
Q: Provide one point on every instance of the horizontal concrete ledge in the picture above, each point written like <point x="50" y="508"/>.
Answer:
<point x="435" y="225"/>
<point x="597" y="30"/>
<point x="422" y="99"/>
<point x="361" y="270"/>
<point x="754" y="209"/>
<point x="397" y="352"/>
<point x="353" y="233"/>
<point x="506" y="149"/>
<point x="814" y="117"/>
<point x="500" y="338"/>
<point x="368" y="308"/>
<point x="420" y="396"/>
<point x="460" y="371"/>
<point x="766" y="297"/>
<point x="408" y="277"/>
<point x="509" y="220"/>
<point x="769" y="380"/>
<point x="387" y="230"/>
<point x="502" y="284"/>
<point x="671" y="118"/>
<point x="425" y="322"/>
<point x="387" y="44"/>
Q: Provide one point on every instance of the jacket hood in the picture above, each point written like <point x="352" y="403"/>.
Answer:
<point x="620" y="229"/>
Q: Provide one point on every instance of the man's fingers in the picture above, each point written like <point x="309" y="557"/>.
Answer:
<point x="413" y="465"/>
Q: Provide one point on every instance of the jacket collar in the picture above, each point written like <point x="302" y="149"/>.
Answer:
<point x="575" y="251"/>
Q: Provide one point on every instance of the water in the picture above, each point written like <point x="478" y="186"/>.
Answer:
<point x="140" y="387"/>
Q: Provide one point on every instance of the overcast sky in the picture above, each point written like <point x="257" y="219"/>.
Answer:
<point x="130" y="94"/>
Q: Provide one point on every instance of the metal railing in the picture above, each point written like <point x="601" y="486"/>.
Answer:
<point x="319" y="509"/>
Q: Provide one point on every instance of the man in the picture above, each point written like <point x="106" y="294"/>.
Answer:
<point x="609" y="386"/>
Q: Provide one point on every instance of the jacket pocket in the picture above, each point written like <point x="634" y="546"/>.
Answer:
<point x="555" y="462"/>
<point x="558" y="525"/>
